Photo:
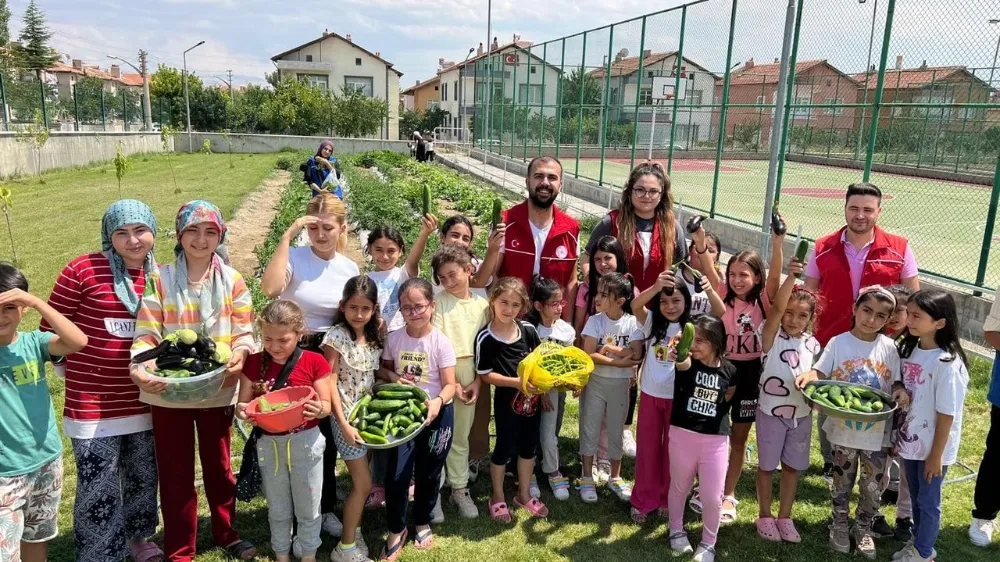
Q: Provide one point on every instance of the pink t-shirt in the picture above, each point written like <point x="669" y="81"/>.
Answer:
<point x="420" y="360"/>
<point x="856" y="261"/>
<point x="743" y="322"/>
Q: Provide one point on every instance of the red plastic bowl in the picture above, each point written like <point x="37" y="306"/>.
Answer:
<point x="283" y="420"/>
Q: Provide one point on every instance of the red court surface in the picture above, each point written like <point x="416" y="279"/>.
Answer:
<point x="822" y="192"/>
<point x="680" y="164"/>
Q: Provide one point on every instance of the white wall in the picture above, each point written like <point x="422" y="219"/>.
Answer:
<point x="262" y="144"/>
<point x="65" y="150"/>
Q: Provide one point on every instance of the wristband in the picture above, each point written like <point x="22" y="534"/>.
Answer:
<point x="697" y="251"/>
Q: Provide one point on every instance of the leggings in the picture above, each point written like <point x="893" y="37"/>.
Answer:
<point x="707" y="457"/>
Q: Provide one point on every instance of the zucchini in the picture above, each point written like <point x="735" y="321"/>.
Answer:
<point x="801" y="251"/>
<point x="497" y="214"/>
<point x="684" y="345"/>
<point x="694" y="223"/>
<point x="427" y="199"/>
<point x="385" y="405"/>
<point x="372" y="438"/>
<point x="778" y="224"/>
<point x="394" y="394"/>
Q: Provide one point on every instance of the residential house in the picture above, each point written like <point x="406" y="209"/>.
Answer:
<point x="65" y="77"/>
<point x="334" y="61"/>
<point x="520" y="75"/>
<point x="694" y="124"/>
<point x="423" y="95"/>
<point x="931" y="85"/>
<point x="816" y="82"/>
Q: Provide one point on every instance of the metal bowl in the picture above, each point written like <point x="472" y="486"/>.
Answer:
<point x="852" y="415"/>
<point x="394" y="441"/>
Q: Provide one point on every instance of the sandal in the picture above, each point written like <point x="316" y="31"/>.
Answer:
<point x="499" y="512"/>
<point x="786" y="528"/>
<point x="588" y="490"/>
<point x="242" y="550"/>
<point x="728" y="515"/>
<point x="534" y="506"/>
<point x="662" y="512"/>
<point x="145" y="552"/>
<point x="638" y="517"/>
<point x="394" y="552"/>
<point x="376" y="498"/>
<point x="695" y="502"/>
<point x="424" y="539"/>
<point x="560" y="487"/>
<point x="767" y="529"/>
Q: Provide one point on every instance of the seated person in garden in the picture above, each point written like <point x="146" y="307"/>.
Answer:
<point x="322" y="172"/>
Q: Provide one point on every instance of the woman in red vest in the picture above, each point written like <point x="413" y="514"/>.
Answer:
<point x="653" y="239"/>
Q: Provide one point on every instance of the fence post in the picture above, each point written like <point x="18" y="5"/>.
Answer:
<point x="678" y="63"/>
<point x="789" y="101"/>
<point x="965" y="121"/>
<point x="527" y="109"/>
<point x="3" y="104"/>
<point x="991" y="216"/>
<point x="541" y="110"/>
<point x="41" y="90"/>
<point x="514" y="91"/>
<point x="579" y="114"/>
<point x="877" y="106"/>
<point x="723" y="110"/>
<point x="638" y="93"/>
<point x="606" y="101"/>
<point x="76" y="110"/>
<point x="923" y="131"/>
<point x="559" y="102"/>
<point x="124" y="111"/>
<point x="104" y="113"/>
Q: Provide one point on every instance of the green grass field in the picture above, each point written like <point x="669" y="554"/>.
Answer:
<point x="943" y="221"/>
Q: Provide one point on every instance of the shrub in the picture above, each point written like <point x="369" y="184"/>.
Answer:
<point x="284" y="163"/>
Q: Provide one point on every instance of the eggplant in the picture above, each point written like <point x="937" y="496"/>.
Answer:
<point x="191" y="352"/>
<point x="697" y="277"/>
<point x="695" y="223"/>
<point x="778" y="225"/>
<point x="195" y="366"/>
<point x="169" y="362"/>
<point x="157" y="351"/>
<point x="205" y="343"/>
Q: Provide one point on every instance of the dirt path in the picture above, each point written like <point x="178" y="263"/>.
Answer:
<point x="249" y="226"/>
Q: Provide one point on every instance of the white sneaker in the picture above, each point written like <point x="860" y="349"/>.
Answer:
<point x="679" y="543"/>
<point x="904" y="552"/>
<point x="332" y="525"/>
<point x="437" y="515"/>
<point x="360" y="541"/>
<point x="704" y="553"/>
<point x="603" y="473"/>
<point x="463" y="500"/>
<point x="628" y="443"/>
<point x="473" y="470"/>
<point x="353" y="555"/>
<point x="981" y="531"/>
<point x="914" y="556"/>
<point x="588" y="490"/>
<point x="621" y="488"/>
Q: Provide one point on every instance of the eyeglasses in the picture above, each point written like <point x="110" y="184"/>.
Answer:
<point x="414" y="310"/>
<point x="556" y="304"/>
<point x="647" y="193"/>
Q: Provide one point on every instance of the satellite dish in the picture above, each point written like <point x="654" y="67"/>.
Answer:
<point x="623" y="53"/>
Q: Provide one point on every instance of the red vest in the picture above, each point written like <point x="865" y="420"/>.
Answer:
<point x="882" y="266"/>
<point x="558" y="255"/>
<point x="644" y="277"/>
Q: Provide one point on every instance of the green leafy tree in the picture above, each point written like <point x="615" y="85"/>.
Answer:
<point x="356" y="115"/>
<point x="208" y="108"/>
<point x="34" y="52"/>
<point x="6" y="53"/>
<point x="246" y="116"/>
<point x="88" y="98"/>
<point x="166" y="88"/>
<point x="296" y="108"/>
<point x="414" y="120"/>
<point x="572" y="85"/>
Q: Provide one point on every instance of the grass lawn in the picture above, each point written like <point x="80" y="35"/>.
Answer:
<point x="943" y="221"/>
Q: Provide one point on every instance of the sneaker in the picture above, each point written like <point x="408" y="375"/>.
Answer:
<point x="473" y="470"/>
<point x="904" y="552"/>
<point x="679" y="543"/>
<point x="981" y="531"/>
<point x="603" y="473"/>
<point x="620" y="488"/>
<point x="353" y="555"/>
<point x="360" y="541"/>
<point x="437" y="515"/>
<point x="913" y="556"/>
<point x="588" y="490"/>
<point x="560" y="487"/>
<point x="628" y="443"/>
<point x="904" y="529"/>
<point x="463" y="500"/>
<point x="880" y="528"/>
<point x="865" y="544"/>
<point x="704" y="553"/>
<point x="332" y="525"/>
<point x="840" y="540"/>
<point x="533" y="489"/>
<point x="828" y="472"/>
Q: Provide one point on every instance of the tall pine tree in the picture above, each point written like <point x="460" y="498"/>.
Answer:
<point x="35" y="53"/>
<point x="5" y="48"/>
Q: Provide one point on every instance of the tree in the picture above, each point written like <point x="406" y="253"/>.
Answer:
<point x="415" y="120"/>
<point x="246" y="115"/>
<point x="34" y="52"/>
<point x="357" y="115"/>
<point x="296" y="108"/>
<point x="166" y="88"/>
<point x="88" y="98"/>
<point x="6" y="59"/>
<point x="122" y="166"/>
<point x="7" y="204"/>
<point x="208" y="108"/>
<point x="572" y="85"/>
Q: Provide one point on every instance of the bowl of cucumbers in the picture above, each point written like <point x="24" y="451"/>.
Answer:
<point x="849" y="401"/>
<point x="391" y="415"/>
<point x="282" y="410"/>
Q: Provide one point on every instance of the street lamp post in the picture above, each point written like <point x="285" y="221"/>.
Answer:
<point x="868" y="66"/>
<point x="994" y="21"/>
<point x="461" y="95"/>
<point x="147" y="112"/>
<point x="187" y="102"/>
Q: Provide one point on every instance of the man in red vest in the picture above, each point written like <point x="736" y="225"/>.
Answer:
<point x="858" y="255"/>
<point x="539" y="238"/>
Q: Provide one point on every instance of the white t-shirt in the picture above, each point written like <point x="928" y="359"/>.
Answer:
<point x="317" y="285"/>
<point x="613" y="332"/>
<point x="646" y="244"/>
<point x="699" y="301"/>
<point x="561" y="332"/>
<point x="388" y="283"/>
<point x="540" y="235"/>
<point x="658" y="372"/>
<point x="874" y="364"/>
<point x="788" y="358"/>
<point x="935" y="387"/>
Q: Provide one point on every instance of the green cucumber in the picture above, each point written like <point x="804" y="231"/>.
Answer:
<point x="360" y="406"/>
<point x="400" y="419"/>
<point x="497" y="216"/>
<point x="684" y="345"/>
<point x="877" y="406"/>
<point x="427" y="199"/>
<point x="414" y="408"/>
<point x="374" y="416"/>
<point x="376" y="430"/>
<point x="394" y="394"/>
<point x="394" y="386"/>
<point x="810" y="390"/>
<point x="385" y="424"/>
<point x="410" y="429"/>
<point x="420" y="394"/>
<point x="801" y="251"/>
<point x="385" y="405"/>
<point x="372" y="438"/>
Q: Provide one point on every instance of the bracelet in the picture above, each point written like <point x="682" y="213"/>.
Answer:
<point x="701" y="251"/>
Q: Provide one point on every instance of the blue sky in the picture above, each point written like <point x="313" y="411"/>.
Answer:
<point x="243" y="35"/>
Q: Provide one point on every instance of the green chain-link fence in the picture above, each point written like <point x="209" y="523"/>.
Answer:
<point x="85" y="104"/>
<point x="925" y="76"/>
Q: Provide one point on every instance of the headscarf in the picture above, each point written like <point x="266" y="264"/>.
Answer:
<point x="191" y="214"/>
<point x="322" y="145"/>
<point x="119" y="214"/>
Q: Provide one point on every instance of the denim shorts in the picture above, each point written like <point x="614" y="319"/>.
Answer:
<point x="347" y="452"/>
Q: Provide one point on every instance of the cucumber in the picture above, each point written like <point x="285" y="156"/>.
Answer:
<point x="396" y="431"/>
<point x="372" y="438"/>
<point x="414" y="408"/>
<point x="360" y="406"/>
<point x="410" y="429"/>
<point x="822" y="400"/>
<point x="497" y="216"/>
<point x="394" y="386"/>
<point x="839" y="401"/>
<point x="427" y="199"/>
<point x="801" y="251"/>
<point x="810" y="390"/>
<point x="385" y="424"/>
<point x="684" y="345"/>
<point x="877" y="406"/>
<point x="374" y="416"/>
<point x="385" y="405"/>
<point x="400" y="419"/>
<point x="835" y="392"/>
<point x="420" y="394"/>
<point x="394" y="394"/>
<point x="376" y="430"/>
<point x="363" y="425"/>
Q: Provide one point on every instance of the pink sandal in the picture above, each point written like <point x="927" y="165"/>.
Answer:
<point x="535" y="507"/>
<point x="499" y="512"/>
<point x="786" y="528"/>
<point x="767" y="529"/>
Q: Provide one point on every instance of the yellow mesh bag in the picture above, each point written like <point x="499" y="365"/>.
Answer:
<point x="551" y="365"/>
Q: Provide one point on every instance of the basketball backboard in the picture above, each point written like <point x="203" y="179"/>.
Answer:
<point x="663" y="88"/>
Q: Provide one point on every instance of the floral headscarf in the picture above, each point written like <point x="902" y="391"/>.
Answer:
<point x="212" y="294"/>
<point x="120" y="214"/>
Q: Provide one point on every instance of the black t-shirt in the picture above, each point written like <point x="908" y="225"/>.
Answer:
<point x="494" y="355"/>
<point x="700" y="403"/>
<point x="603" y="228"/>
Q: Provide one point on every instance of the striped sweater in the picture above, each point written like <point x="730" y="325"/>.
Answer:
<point x="163" y="313"/>
<point x="101" y="399"/>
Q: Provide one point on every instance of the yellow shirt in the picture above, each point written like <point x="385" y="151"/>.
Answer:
<point x="460" y="320"/>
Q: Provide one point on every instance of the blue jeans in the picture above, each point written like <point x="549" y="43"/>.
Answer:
<point x="926" y="498"/>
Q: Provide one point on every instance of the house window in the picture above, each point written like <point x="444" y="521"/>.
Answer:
<point x="646" y="96"/>
<point x="357" y="61"/>
<point x="693" y="98"/>
<point x="444" y="92"/>
<point x="309" y="58"/>
<point x="321" y="81"/>
<point x="433" y="104"/>
<point x="363" y="84"/>
<point x="454" y="90"/>
<point x="802" y="112"/>
<point x="530" y="94"/>
<point x="835" y="110"/>
<point x="436" y="88"/>
<point x="534" y="69"/>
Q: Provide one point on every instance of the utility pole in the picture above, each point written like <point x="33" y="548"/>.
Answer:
<point x="148" y="109"/>
<point x="187" y="102"/>
<point x="231" y="98"/>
